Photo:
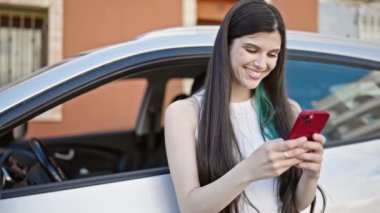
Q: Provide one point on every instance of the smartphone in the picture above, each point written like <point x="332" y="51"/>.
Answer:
<point x="309" y="122"/>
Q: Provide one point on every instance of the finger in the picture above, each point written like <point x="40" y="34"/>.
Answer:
<point x="292" y="153"/>
<point x="278" y="139"/>
<point x="319" y="138"/>
<point x="272" y="143"/>
<point x="289" y="144"/>
<point x="313" y="146"/>
<point x="287" y="163"/>
<point x="310" y="157"/>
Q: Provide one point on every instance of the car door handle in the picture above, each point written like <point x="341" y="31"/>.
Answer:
<point x="67" y="156"/>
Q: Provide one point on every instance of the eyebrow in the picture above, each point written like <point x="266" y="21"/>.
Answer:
<point x="257" y="47"/>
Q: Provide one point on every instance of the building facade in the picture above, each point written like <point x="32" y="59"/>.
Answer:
<point x="35" y="33"/>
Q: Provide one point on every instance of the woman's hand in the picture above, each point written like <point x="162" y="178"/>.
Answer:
<point x="275" y="157"/>
<point x="312" y="160"/>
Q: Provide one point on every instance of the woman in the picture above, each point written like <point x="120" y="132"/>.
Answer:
<point x="224" y="144"/>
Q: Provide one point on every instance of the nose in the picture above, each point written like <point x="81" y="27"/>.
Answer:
<point x="260" y="62"/>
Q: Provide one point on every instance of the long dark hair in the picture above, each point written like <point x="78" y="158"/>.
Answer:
<point x="216" y="139"/>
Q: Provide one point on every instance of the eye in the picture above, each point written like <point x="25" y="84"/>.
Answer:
<point x="250" y="50"/>
<point x="273" y="55"/>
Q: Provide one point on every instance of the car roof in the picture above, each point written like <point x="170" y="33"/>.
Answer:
<point x="172" y="38"/>
<point x="297" y="40"/>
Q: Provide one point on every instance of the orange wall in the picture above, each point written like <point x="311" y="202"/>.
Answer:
<point x="213" y="11"/>
<point x="95" y="111"/>
<point x="96" y="23"/>
<point x="299" y="14"/>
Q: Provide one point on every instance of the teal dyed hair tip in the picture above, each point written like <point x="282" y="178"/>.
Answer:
<point x="265" y="112"/>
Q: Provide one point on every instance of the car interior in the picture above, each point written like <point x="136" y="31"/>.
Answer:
<point x="29" y="161"/>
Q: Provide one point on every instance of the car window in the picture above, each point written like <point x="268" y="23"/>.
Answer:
<point x="111" y="107"/>
<point x="350" y="94"/>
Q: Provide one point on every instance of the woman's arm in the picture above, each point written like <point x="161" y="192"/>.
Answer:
<point x="267" y="161"/>
<point x="180" y="125"/>
<point x="311" y="165"/>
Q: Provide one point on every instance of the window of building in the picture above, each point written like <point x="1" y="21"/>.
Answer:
<point x="23" y="42"/>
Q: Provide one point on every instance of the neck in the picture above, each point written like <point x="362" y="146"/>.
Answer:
<point x="239" y="93"/>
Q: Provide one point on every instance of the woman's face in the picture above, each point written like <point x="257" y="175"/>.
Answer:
<point x="253" y="57"/>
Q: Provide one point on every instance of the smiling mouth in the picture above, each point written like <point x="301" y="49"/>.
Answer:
<point x="253" y="74"/>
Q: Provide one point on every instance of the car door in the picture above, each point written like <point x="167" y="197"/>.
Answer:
<point x="144" y="188"/>
<point x="99" y="140"/>
<point x="101" y="173"/>
<point x="350" y="92"/>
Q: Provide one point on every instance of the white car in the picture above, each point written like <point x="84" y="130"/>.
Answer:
<point x="126" y="170"/>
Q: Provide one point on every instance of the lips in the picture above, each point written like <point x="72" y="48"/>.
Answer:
<point x="253" y="74"/>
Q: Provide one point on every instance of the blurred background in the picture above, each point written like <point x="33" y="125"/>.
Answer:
<point x="37" y="33"/>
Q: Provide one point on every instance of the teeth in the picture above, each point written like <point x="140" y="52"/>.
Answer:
<point x="253" y="74"/>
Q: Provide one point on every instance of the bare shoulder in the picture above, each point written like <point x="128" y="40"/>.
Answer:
<point x="184" y="104"/>
<point x="185" y="110"/>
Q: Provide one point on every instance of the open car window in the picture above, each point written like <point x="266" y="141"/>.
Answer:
<point x="100" y="138"/>
<point x="109" y="108"/>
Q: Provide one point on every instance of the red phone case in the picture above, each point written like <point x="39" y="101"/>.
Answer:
<point x="309" y="122"/>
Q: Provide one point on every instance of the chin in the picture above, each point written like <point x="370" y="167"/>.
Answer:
<point x="252" y="84"/>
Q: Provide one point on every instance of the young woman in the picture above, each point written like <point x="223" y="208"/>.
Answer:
<point x="224" y="144"/>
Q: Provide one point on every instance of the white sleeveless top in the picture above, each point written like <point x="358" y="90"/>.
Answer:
<point x="262" y="193"/>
